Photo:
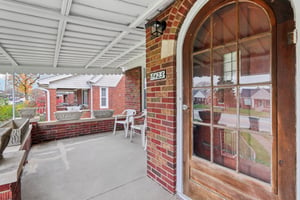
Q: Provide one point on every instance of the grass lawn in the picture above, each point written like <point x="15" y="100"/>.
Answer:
<point x="3" y="100"/>
<point x="262" y="156"/>
<point x="244" y="112"/>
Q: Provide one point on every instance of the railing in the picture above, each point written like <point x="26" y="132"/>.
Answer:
<point x="245" y="150"/>
<point x="41" y="110"/>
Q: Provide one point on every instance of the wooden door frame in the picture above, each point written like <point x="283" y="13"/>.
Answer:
<point x="184" y="29"/>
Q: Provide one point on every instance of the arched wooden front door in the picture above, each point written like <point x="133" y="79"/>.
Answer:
<point x="239" y="84"/>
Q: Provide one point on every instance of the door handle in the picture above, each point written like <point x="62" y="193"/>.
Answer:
<point x="185" y="107"/>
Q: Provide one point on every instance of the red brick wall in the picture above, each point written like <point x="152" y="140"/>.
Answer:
<point x="96" y="98"/>
<point x="161" y="99"/>
<point x="79" y="97"/>
<point x="133" y="84"/>
<point x="86" y="114"/>
<point x="52" y="93"/>
<point x="117" y="97"/>
<point x="11" y="191"/>
<point x="54" y="131"/>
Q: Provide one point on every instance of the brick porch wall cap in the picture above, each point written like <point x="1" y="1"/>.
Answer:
<point x="74" y="121"/>
<point x="11" y="167"/>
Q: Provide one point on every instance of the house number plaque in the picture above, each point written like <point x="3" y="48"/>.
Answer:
<point x="158" y="75"/>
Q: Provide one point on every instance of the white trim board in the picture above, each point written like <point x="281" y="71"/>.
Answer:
<point x="186" y="24"/>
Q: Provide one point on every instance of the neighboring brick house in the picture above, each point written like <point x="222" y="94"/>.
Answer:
<point x="91" y="92"/>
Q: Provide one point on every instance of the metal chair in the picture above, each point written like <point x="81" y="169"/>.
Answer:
<point x="140" y="125"/>
<point x="124" y="119"/>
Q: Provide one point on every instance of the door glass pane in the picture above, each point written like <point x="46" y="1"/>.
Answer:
<point x="202" y="141"/>
<point x="224" y="25"/>
<point x="225" y="65"/>
<point x="256" y="60"/>
<point x="255" y="108"/>
<point x="201" y="103"/>
<point x="253" y="20"/>
<point x="255" y="151"/>
<point x="201" y="70"/>
<point x="203" y="37"/>
<point x="225" y="106"/>
<point x="225" y="147"/>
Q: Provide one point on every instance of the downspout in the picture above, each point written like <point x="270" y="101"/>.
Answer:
<point x="13" y="94"/>
<point x="92" y="101"/>
<point x="48" y="102"/>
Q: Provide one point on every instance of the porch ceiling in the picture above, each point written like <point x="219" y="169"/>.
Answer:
<point x="74" y="36"/>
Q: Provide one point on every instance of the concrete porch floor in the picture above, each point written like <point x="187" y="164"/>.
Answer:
<point x="94" y="167"/>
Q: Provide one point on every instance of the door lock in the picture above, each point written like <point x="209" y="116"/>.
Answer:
<point x="185" y="107"/>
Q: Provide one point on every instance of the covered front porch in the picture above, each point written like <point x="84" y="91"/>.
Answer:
<point x="100" y="166"/>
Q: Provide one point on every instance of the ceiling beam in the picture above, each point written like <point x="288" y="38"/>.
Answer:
<point x="60" y="34"/>
<point x="16" y="6"/>
<point x="13" y="62"/>
<point x="106" y="49"/>
<point x="42" y="69"/>
<point x="132" y="59"/>
<point x="154" y="7"/>
<point x="124" y="53"/>
<point x="65" y="10"/>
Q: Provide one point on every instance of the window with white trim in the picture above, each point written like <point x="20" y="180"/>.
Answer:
<point x="103" y="97"/>
<point x="85" y="98"/>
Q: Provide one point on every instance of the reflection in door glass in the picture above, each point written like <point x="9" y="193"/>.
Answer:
<point x="202" y="141"/>
<point x="201" y="70"/>
<point x="225" y="147"/>
<point x="255" y="108"/>
<point x="255" y="152"/>
<point x="225" y="65"/>
<point x="225" y="109"/>
<point x="255" y="59"/>
<point x="201" y="102"/>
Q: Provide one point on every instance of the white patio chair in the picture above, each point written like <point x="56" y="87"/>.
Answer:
<point x="124" y="119"/>
<point x="141" y="127"/>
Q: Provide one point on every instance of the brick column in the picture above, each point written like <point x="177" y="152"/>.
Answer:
<point x="52" y="93"/>
<point x="79" y="97"/>
<point x="117" y="97"/>
<point x="96" y="97"/>
<point x="133" y="87"/>
<point x="161" y="96"/>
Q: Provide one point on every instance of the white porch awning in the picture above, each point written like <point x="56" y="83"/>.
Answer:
<point x="74" y="36"/>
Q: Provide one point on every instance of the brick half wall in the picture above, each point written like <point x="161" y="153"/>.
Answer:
<point x="11" y="191"/>
<point x="48" y="131"/>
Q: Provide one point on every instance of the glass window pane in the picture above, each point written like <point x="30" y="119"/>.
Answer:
<point x="201" y="70"/>
<point x="225" y="147"/>
<point x="202" y="141"/>
<point x="224" y="25"/>
<point x="255" y="151"/>
<point x="253" y="20"/>
<point x="225" y="106"/>
<point x="225" y="65"/>
<point x="255" y="108"/>
<point x="104" y="97"/>
<point x="203" y="37"/>
<point x="201" y="102"/>
<point x="256" y="60"/>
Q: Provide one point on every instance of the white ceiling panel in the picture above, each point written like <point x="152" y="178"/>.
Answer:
<point x="74" y="36"/>
<point x="52" y="4"/>
<point x="95" y="13"/>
